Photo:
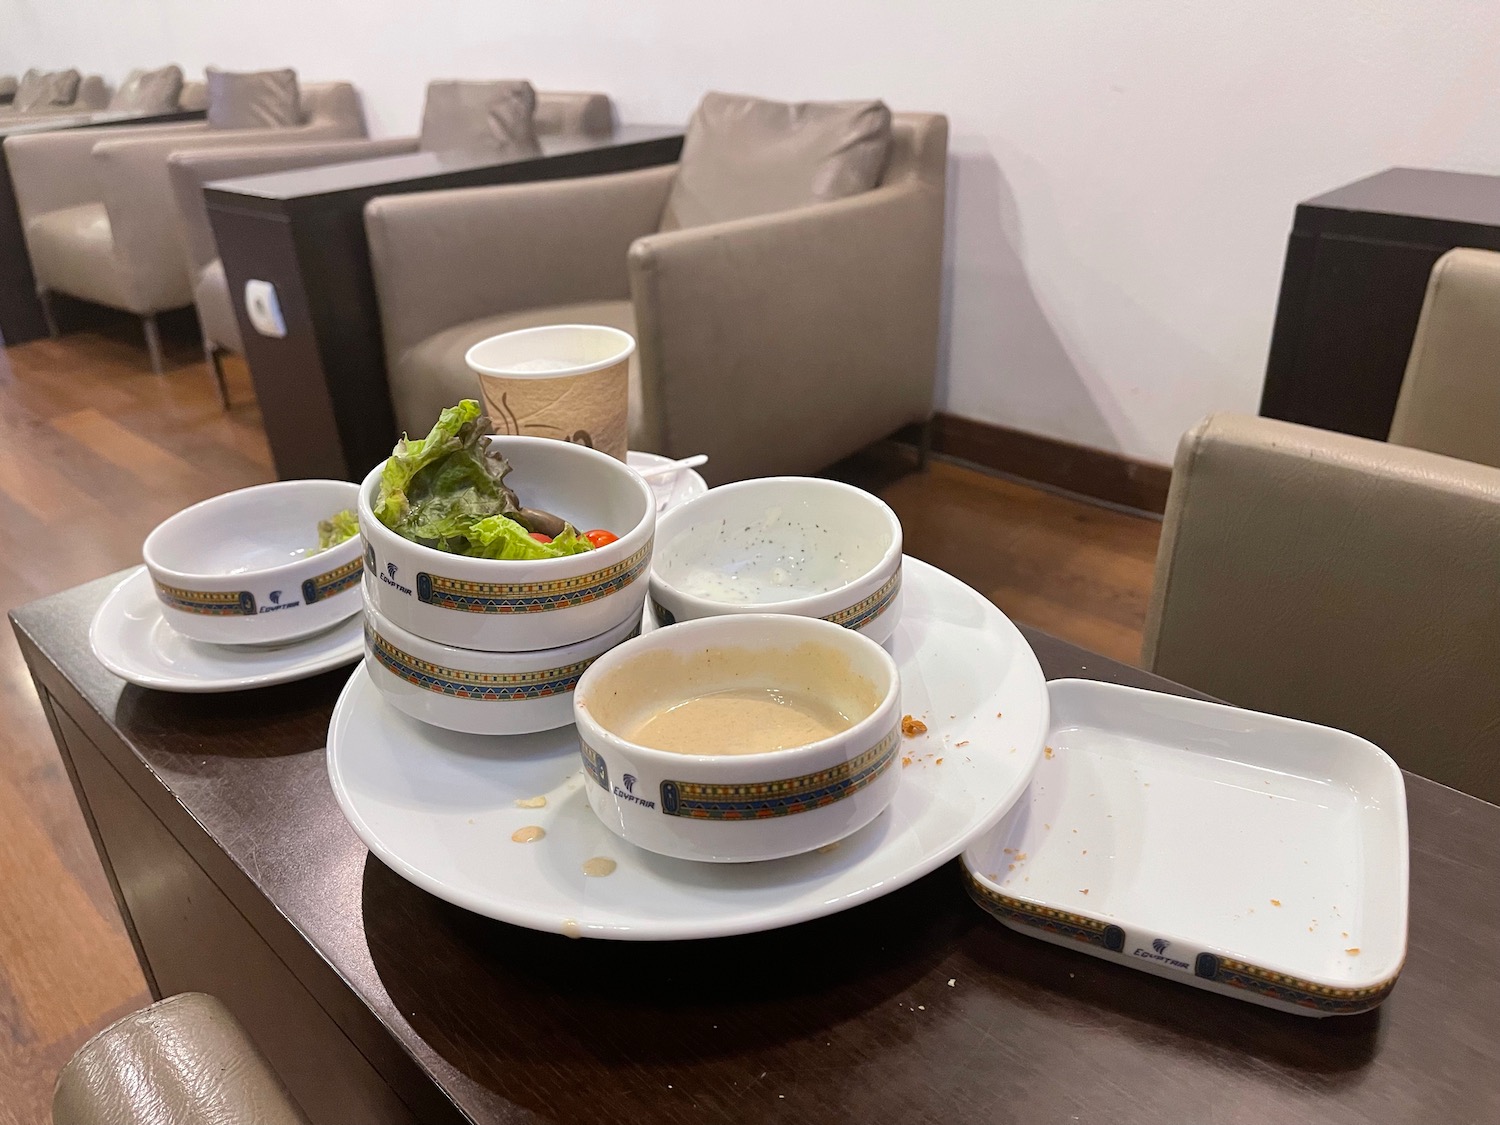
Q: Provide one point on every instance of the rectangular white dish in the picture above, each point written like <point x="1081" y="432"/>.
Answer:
<point x="1256" y="856"/>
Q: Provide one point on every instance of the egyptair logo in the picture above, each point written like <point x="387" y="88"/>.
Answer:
<point x="1160" y="945"/>
<point x="390" y="568"/>
<point x="275" y="597"/>
<point x="629" y="780"/>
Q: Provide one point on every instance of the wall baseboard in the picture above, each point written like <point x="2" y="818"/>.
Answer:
<point x="1058" y="464"/>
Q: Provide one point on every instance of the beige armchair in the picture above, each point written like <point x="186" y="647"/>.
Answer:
<point x="775" y="343"/>
<point x="1450" y="396"/>
<point x="183" y="1059"/>
<point x="1339" y="580"/>
<point x="557" y="114"/>
<point x="8" y="87"/>
<point x="98" y="211"/>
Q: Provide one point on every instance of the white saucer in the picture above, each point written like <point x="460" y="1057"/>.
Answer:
<point x="1255" y="856"/>
<point x="131" y="639"/>
<point x="671" y="492"/>
<point x="439" y="808"/>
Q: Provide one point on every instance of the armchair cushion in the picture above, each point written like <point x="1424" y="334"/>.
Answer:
<point x="747" y="156"/>
<point x="433" y="374"/>
<point x="264" y="99"/>
<point x="470" y="115"/>
<point x="40" y="89"/>
<point x="73" y="251"/>
<point x="8" y="88"/>
<point x="149" y="91"/>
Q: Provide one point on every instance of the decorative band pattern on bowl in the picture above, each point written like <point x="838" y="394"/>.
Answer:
<point x="239" y="603"/>
<point x="325" y="586"/>
<point x="862" y="612"/>
<point x="531" y="597"/>
<point x="594" y="765"/>
<point x="1280" y="987"/>
<point x="486" y="687"/>
<point x="761" y="800"/>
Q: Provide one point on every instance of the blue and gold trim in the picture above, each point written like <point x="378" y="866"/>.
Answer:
<point x="594" y="765"/>
<point x="484" y="687"/>
<point x="531" y="597"/>
<point x="229" y="603"/>
<point x="1286" y="989"/>
<point x="862" y="612"/>
<point x="761" y="800"/>
<point x="335" y="582"/>
<point x="1061" y="923"/>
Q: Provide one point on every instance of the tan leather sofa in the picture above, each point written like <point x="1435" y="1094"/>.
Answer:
<point x="1450" y="396"/>
<point x="183" y="1060"/>
<point x="558" y="113"/>
<point x="777" y="343"/>
<point x="1339" y="580"/>
<point x="91" y="96"/>
<point x="98" y="210"/>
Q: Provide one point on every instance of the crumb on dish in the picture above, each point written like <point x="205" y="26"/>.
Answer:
<point x="1353" y="951"/>
<point x="531" y="802"/>
<point x="1275" y="902"/>
<point x="912" y="727"/>
<point x="906" y="761"/>
<point x="1049" y="752"/>
<point x="956" y="745"/>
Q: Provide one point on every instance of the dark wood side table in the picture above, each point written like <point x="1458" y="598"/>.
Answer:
<point x="1356" y="271"/>
<point x="21" y="316"/>
<point x="381" y="1004"/>
<point x="322" y="388"/>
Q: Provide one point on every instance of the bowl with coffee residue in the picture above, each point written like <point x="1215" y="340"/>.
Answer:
<point x="742" y="737"/>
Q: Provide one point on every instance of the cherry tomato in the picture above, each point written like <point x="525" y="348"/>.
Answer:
<point x="540" y="538"/>
<point x="599" y="537"/>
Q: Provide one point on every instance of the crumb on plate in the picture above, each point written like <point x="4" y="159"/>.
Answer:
<point x="1353" y="951"/>
<point x="1049" y="752"/>
<point x="912" y="727"/>
<point x="1275" y="902"/>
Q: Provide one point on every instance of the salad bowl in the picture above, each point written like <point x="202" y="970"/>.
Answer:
<point x="517" y="605"/>
<point x="721" y="801"/>
<point x="245" y="568"/>
<point x="794" y="545"/>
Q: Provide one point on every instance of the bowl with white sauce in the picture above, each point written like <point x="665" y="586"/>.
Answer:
<point x="803" y="546"/>
<point x="740" y="737"/>
<point x="245" y="568"/>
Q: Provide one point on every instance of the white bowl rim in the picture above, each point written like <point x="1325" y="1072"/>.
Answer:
<point x="608" y="551"/>
<point x="527" y="657"/>
<point x="890" y="559"/>
<point x="351" y="546"/>
<point x="740" y="621"/>
<point x="627" y="350"/>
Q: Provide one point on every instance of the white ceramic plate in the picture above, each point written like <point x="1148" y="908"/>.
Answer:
<point x="1248" y="854"/>
<point x="440" y="808"/>
<point x="132" y="639"/>
<point x="671" y="492"/>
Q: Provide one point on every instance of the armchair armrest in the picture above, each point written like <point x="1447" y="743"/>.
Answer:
<point x="814" y="329"/>
<point x="445" y="257"/>
<point x="190" y="170"/>
<point x="51" y="171"/>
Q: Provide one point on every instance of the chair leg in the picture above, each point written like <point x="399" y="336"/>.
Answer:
<point x="45" y="297"/>
<point x="924" y="443"/>
<point x="215" y="359"/>
<point x="153" y="342"/>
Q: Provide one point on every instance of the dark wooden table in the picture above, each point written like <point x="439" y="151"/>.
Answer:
<point x="1356" y="271"/>
<point x="21" y="316"/>
<point x="322" y="388"/>
<point x="378" y="1003"/>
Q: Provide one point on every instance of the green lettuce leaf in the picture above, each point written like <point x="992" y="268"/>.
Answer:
<point x="498" y="537"/>
<point x="412" y="456"/>
<point x="336" y="528"/>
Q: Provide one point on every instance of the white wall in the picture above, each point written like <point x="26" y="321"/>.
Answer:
<point x="1123" y="173"/>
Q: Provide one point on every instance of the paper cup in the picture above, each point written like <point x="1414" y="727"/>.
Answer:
<point x="565" y="381"/>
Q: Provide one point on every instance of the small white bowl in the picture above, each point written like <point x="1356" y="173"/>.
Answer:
<point x="795" y="545"/>
<point x="243" y="568"/>
<point x="498" y="605"/>
<point x="479" y="692"/>
<point x="739" y="807"/>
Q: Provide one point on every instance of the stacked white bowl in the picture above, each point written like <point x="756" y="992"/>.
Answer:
<point x="496" y="646"/>
<point x="244" y="568"/>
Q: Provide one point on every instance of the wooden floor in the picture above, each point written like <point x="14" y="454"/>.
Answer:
<point x="96" y="451"/>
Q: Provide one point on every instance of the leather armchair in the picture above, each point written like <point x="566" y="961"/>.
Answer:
<point x="183" y="1059"/>
<point x="777" y="344"/>
<point x="98" y="211"/>
<point x="557" y="114"/>
<point x="1450" y="396"/>
<point x="8" y="86"/>
<point x="1338" y="580"/>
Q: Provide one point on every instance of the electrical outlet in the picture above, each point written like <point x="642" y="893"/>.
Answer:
<point x="264" y="309"/>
